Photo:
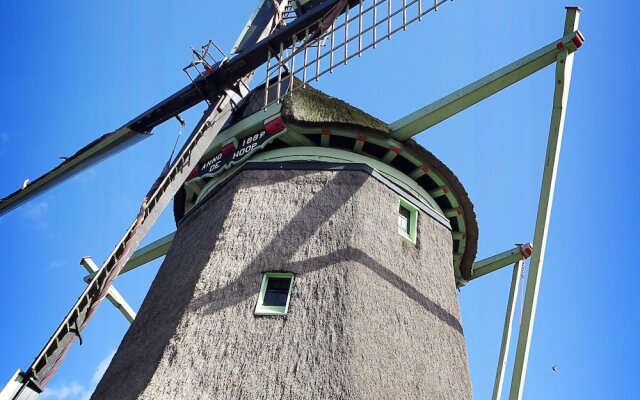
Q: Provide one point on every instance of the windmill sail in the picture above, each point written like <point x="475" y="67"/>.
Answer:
<point x="49" y="359"/>
<point x="311" y="22"/>
<point x="91" y="154"/>
<point x="204" y="87"/>
<point x="342" y="35"/>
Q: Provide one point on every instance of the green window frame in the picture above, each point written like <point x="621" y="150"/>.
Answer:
<point x="271" y="300"/>
<point x="407" y="221"/>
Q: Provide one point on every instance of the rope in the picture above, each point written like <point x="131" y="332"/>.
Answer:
<point x="175" y="145"/>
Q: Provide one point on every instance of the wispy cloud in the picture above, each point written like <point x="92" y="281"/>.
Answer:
<point x="37" y="215"/>
<point x="57" y="264"/>
<point x="101" y="369"/>
<point x="86" y="178"/>
<point x="76" y="390"/>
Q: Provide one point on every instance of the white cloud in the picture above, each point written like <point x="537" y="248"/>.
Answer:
<point x="38" y="215"/>
<point x="75" y="390"/>
<point x="87" y="176"/>
<point x="101" y="369"/>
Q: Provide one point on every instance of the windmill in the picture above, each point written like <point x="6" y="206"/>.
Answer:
<point x="222" y="83"/>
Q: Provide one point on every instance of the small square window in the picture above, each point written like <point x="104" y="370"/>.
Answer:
<point x="407" y="220"/>
<point x="274" y="293"/>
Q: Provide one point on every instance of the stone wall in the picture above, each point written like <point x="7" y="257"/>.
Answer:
<point x="371" y="315"/>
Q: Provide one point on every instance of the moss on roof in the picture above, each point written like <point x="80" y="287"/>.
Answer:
<point x="310" y="107"/>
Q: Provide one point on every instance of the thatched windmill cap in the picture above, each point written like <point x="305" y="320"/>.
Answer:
<point x="319" y="120"/>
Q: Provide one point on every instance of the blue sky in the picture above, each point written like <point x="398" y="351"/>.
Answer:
<point x="68" y="74"/>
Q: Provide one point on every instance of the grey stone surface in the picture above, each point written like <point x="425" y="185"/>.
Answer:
<point x="372" y="316"/>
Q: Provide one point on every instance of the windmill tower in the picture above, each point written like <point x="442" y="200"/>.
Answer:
<point x="318" y="249"/>
<point x="309" y="269"/>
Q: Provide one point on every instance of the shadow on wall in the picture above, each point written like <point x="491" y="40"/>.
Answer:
<point x="237" y="291"/>
<point x="322" y="206"/>
<point x="308" y="221"/>
<point x="356" y="255"/>
<point x="165" y="313"/>
<point x="161" y="311"/>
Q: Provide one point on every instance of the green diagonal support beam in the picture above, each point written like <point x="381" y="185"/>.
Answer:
<point x="113" y="295"/>
<point x="149" y="253"/>
<point x="469" y="95"/>
<point x="494" y="263"/>
<point x="564" y="64"/>
<point x="506" y="333"/>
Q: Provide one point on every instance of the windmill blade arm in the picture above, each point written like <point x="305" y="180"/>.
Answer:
<point x="49" y="359"/>
<point x="266" y="14"/>
<point x="231" y="71"/>
<point x="112" y="143"/>
<point x="178" y="102"/>
<point x="84" y="158"/>
<point x="204" y="87"/>
<point x="254" y="56"/>
<point x="469" y="95"/>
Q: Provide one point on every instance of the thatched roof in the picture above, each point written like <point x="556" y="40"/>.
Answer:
<point x="471" y="223"/>
<point x="307" y="106"/>
<point x="311" y="107"/>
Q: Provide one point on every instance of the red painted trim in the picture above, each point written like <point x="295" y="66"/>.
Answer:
<point x="228" y="149"/>
<point x="578" y="40"/>
<point x="274" y="126"/>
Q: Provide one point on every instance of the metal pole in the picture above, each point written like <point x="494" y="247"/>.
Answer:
<point x="564" y="64"/>
<point x="506" y="333"/>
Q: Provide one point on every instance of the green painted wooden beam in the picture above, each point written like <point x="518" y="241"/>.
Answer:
<point x="506" y="333"/>
<point x="452" y="104"/>
<point x="112" y="294"/>
<point x="145" y="254"/>
<point x="149" y="253"/>
<point x="494" y="263"/>
<point x="564" y="64"/>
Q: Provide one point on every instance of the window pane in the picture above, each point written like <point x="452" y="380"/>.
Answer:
<point x="403" y="219"/>
<point x="277" y="292"/>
